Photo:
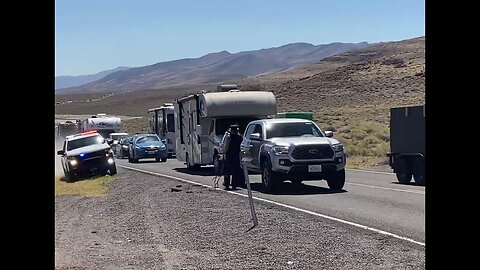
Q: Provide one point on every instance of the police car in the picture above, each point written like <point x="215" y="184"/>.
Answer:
<point x="85" y="154"/>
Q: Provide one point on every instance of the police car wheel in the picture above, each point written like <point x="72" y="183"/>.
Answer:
<point x="113" y="169"/>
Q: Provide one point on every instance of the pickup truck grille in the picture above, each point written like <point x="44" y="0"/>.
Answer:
<point x="319" y="151"/>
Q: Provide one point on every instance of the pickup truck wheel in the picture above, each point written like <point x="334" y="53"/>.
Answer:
<point x="296" y="181"/>
<point x="268" y="177"/>
<point x="337" y="180"/>
<point x="403" y="172"/>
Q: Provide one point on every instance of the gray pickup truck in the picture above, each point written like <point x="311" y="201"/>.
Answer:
<point x="292" y="149"/>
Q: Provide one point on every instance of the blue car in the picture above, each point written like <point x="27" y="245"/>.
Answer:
<point x="146" y="146"/>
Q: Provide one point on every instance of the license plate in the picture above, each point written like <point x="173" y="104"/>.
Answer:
<point x="314" y="168"/>
<point x="151" y="152"/>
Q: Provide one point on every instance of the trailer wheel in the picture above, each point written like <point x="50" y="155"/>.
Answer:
<point x="419" y="170"/>
<point x="403" y="171"/>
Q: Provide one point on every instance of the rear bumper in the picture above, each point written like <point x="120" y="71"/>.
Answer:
<point x="152" y="154"/>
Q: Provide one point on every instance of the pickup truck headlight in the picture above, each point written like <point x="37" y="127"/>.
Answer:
<point x="338" y="147"/>
<point x="281" y="149"/>
<point x="163" y="147"/>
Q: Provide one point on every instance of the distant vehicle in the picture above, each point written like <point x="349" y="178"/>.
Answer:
<point x="116" y="137"/>
<point x="146" y="146"/>
<point x="162" y="123"/>
<point x="86" y="153"/>
<point x="67" y="128"/>
<point x="121" y="149"/>
<point x="202" y="119"/>
<point x="292" y="149"/>
<point x="102" y="123"/>
<point x="407" y="143"/>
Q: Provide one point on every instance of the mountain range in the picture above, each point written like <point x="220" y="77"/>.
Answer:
<point x="208" y="69"/>
<point x="72" y="81"/>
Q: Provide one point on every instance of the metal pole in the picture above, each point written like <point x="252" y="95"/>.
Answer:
<point x="250" y="199"/>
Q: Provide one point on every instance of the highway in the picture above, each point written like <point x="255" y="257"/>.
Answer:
<point x="370" y="200"/>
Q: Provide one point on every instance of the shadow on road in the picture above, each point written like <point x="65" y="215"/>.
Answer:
<point x="287" y="188"/>
<point x="409" y="184"/>
<point x="203" y="171"/>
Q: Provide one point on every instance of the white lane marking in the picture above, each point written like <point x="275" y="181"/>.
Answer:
<point x="284" y="205"/>
<point x="358" y="170"/>
<point x="394" y="189"/>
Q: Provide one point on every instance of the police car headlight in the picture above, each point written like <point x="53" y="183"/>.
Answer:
<point x="110" y="161"/>
<point x="73" y="162"/>
<point x="281" y="149"/>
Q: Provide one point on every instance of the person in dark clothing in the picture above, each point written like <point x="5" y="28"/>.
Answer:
<point x="232" y="141"/>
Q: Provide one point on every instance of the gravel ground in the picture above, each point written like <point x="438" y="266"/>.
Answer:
<point x="149" y="222"/>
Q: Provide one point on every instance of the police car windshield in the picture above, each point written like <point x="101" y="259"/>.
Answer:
<point x="74" y="144"/>
<point x="148" y="139"/>
<point x="290" y="129"/>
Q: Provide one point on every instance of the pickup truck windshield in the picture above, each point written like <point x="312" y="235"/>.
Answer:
<point x="291" y="129"/>
<point x="84" y="142"/>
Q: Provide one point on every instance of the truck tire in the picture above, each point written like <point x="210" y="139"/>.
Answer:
<point x="336" y="181"/>
<point x="419" y="170"/>
<point x="163" y="159"/>
<point x="296" y="182"/>
<point x="268" y="177"/>
<point x="403" y="171"/>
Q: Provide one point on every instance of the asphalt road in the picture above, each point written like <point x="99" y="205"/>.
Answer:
<point x="369" y="199"/>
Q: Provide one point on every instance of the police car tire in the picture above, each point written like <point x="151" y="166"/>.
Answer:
<point x="113" y="169"/>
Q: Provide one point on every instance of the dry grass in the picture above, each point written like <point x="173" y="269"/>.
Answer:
<point x="90" y="187"/>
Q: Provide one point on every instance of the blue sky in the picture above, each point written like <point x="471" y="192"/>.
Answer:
<point x="96" y="35"/>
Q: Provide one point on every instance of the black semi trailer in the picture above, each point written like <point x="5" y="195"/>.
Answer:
<point x="407" y="143"/>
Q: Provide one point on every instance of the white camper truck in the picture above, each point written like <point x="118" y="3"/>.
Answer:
<point x="102" y="124"/>
<point x="203" y="118"/>
<point x="162" y="123"/>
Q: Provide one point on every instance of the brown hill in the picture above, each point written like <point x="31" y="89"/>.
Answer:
<point x="352" y="93"/>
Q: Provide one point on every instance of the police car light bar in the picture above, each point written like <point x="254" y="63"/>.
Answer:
<point x="89" y="132"/>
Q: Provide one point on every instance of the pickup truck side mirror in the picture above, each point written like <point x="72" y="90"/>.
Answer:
<point x="255" y="136"/>
<point x="60" y="152"/>
<point x="329" y="133"/>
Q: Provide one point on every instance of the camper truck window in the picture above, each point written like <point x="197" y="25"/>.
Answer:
<point x="170" y="123"/>
<point x="223" y="124"/>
